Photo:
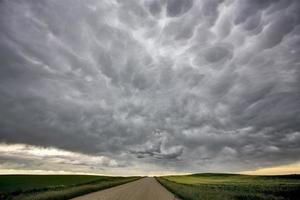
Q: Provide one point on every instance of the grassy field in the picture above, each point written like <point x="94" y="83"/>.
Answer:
<point x="54" y="187"/>
<point x="232" y="186"/>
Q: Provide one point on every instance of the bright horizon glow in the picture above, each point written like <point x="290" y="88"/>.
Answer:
<point x="54" y="156"/>
<point x="45" y="172"/>
<point x="280" y="170"/>
<point x="277" y="170"/>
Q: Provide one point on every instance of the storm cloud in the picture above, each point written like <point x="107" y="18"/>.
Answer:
<point x="150" y="85"/>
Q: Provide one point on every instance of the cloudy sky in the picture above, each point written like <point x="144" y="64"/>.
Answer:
<point x="149" y="86"/>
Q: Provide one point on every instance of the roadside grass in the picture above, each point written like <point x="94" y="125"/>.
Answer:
<point x="54" y="187"/>
<point x="11" y="183"/>
<point x="233" y="187"/>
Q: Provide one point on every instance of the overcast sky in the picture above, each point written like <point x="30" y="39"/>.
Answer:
<point x="149" y="86"/>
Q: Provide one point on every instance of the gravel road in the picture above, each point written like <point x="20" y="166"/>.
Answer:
<point x="142" y="189"/>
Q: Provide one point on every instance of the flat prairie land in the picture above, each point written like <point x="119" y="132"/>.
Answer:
<point x="54" y="187"/>
<point x="233" y="187"/>
<point x="10" y="183"/>
<point x="189" y="187"/>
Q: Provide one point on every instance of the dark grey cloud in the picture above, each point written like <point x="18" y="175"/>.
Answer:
<point x="151" y="84"/>
<point x="177" y="7"/>
<point x="159" y="147"/>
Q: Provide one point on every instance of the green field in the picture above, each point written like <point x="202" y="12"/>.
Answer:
<point x="233" y="186"/>
<point x="46" y="187"/>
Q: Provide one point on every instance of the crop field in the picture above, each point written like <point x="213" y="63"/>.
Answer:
<point x="233" y="186"/>
<point x="54" y="187"/>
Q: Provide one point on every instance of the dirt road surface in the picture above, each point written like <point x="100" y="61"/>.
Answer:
<point x="142" y="189"/>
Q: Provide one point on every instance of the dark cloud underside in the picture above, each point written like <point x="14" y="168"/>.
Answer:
<point x="212" y="83"/>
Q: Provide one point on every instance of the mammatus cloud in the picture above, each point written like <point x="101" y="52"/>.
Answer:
<point x="150" y="85"/>
<point x="157" y="148"/>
